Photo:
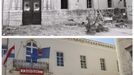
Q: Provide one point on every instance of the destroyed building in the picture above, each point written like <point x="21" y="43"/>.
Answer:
<point x="45" y="12"/>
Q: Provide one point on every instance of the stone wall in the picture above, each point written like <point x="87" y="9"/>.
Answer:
<point x="124" y="57"/>
<point x="15" y="18"/>
<point x="52" y="17"/>
<point x="12" y="18"/>
<point x="129" y="10"/>
<point x="12" y="12"/>
<point x="59" y="17"/>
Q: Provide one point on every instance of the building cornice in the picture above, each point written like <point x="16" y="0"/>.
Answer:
<point x="93" y="42"/>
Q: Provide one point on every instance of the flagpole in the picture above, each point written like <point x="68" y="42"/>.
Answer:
<point x="5" y="68"/>
<point x="6" y="63"/>
<point x="7" y="50"/>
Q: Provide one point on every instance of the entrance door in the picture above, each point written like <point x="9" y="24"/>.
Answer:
<point x="64" y="4"/>
<point x="31" y="12"/>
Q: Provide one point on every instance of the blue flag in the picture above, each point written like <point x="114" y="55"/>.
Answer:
<point x="34" y="55"/>
<point x="37" y="54"/>
<point x="45" y="53"/>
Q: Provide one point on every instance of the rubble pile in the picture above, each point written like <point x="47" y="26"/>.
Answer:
<point x="104" y="18"/>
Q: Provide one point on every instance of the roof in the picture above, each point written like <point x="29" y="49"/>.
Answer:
<point x="93" y="42"/>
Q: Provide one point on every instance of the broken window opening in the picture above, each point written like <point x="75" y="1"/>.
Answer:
<point x="109" y="3"/>
<point x="89" y="3"/>
<point x="64" y="4"/>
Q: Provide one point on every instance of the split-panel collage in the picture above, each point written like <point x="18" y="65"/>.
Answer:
<point x="66" y="37"/>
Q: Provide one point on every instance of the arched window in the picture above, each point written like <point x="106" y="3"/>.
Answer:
<point x="31" y="52"/>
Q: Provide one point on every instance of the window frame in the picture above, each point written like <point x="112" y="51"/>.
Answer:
<point x="30" y="46"/>
<point x="103" y="64"/>
<point x="83" y="62"/>
<point x="109" y="3"/>
<point x="60" y="59"/>
<point x="89" y="4"/>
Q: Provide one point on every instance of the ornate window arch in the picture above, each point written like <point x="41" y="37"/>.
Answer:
<point x="31" y="49"/>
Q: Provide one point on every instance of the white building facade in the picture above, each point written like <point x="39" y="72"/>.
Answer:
<point x="67" y="57"/>
<point x="124" y="55"/>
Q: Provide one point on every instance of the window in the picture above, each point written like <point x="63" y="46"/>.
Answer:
<point x="64" y="4"/>
<point x="36" y="6"/>
<point x="31" y="52"/>
<point x="124" y="3"/>
<point x="109" y="3"/>
<point x="102" y="63"/>
<point x="83" y="61"/>
<point x="60" y="59"/>
<point x="26" y="6"/>
<point x="28" y="59"/>
<point x="4" y="50"/>
<point x="89" y="3"/>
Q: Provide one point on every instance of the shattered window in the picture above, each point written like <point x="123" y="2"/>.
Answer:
<point x="26" y="6"/>
<point x="36" y="6"/>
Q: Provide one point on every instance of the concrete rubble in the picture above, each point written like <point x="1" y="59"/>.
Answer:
<point x="95" y="22"/>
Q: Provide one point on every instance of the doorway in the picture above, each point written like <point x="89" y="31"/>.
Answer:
<point x="31" y="12"/>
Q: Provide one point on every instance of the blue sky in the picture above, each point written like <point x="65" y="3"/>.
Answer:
<point x="105" y="40"/>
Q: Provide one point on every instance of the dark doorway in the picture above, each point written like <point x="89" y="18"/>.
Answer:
<point x="31" y="12"/>
<point x="125" y="3"/>
<point x="109" y="3"/>
<point x="64" y="4"/>
<point x="89" y="3"/>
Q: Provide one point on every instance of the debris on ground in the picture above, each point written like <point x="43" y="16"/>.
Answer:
<point x="97" y="24"/>
<point x="61" y="30"/>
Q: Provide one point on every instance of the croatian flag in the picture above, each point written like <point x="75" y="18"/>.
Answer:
<point x="9" y="53"/>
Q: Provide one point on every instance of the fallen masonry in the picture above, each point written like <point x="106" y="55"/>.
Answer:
<point x="88" y="23"/>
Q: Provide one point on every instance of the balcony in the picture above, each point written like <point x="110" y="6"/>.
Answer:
<point x="17" y="64"/>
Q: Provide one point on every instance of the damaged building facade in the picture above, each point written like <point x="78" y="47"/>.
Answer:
<point x="45" y="12"/>
<point x="129" y="10"/>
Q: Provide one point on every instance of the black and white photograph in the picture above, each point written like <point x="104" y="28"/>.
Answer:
<point x="67" y="17"/>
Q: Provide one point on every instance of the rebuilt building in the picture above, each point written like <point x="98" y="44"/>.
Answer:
<point x="66" y="57"/>
<point x="44" y="12"/>
<point x="124" y="54"/>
